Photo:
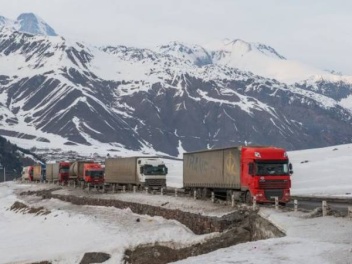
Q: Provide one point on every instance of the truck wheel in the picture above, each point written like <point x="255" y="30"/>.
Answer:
<point x="249" y="198"/>
<point x="205" y="193"/>
<point x="189" y="191"/>
<point x="229" y="194"/>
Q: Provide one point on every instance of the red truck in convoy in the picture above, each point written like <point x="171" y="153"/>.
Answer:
<point x="87" y="172"/>
<point x="27" y="173"/>
<point x="244" y="171"/>
<point x="57" y="171"/>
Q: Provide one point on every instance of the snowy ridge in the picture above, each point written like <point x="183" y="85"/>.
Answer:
<point x="196" y="54"/>
<point x="28" y="23"/>
<point x="5" y="22"/>
<point x="130" y="100"/>
<point x="265" y="61"/>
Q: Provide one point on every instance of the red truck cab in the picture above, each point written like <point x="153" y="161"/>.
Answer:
<point x="266" y="173"/>
<point x="30" y="173"/>
<point x="93" y="173"/>
<point x="27" y="173"/>
<point x="64" y="168"/>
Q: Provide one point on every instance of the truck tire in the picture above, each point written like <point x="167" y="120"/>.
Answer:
<point x="249" y="198"/>
<point x="205" y="192"/>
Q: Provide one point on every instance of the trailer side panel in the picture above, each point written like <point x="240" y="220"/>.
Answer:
<point x="121" y="170"/>
<point x="37" y="172"/>
<point x="214" y="168"/>
<point x="49" y="172"/>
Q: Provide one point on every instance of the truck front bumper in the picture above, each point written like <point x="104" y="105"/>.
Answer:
<point x="268" y="195"/>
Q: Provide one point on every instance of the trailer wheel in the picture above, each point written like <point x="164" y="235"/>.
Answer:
<point x="229" y="194"/>
<point x="205" y="192"/>
<point x="249" y="198"/>
<point x="189" y="191"/>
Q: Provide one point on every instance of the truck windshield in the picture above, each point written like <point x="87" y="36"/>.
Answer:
<point x="93" y="173"/>
<point x="272" y="168"/>
<point x="155" y="170"/>
<point x="64" y="169"/>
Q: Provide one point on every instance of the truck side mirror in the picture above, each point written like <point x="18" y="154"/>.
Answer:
<point x="290" y="168"/>
<point x="251" y="168"/>
<point x="166" y="170"/>
<point x="141" y="170"/>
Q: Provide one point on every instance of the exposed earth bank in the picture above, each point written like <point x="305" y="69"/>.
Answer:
<point x="241" y="225"/>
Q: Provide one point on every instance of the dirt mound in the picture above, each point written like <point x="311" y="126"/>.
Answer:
<point x="23" y="208"/>
<point x="252" y="228"/>
<point x="45" y="194"/>
<point x="160" y="254"/>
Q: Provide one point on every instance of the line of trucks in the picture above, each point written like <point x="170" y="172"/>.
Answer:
<point x="140" y="171"/>
<point x="243" y="172"/>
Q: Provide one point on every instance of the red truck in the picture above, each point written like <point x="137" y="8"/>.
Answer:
<point x="58" y="171"/>
<point x="245" y="171"/>
<point x="27" y="173"/>
<point x="87" y="171"/>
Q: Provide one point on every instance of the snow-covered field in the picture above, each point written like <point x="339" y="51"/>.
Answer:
<point x="64" y="235"/>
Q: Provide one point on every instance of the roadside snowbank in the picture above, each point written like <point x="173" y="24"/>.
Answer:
<point x="69" y="231"/>
<point x="322" y="240"/>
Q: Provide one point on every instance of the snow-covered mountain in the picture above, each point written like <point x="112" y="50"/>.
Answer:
<point x="265" y="61"/>
<point x="175" y="98"/>
<point x="194" y="53"/>
<point x="28" y="23"/>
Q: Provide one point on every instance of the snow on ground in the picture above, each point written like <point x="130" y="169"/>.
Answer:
<point x="320" y="240"/>
<point x="175" y="171"/>
<point x="322" y="172"/>
<point x="166" y="201"/>
<point x="64" y="235"/>
<point x="69" y="230"/>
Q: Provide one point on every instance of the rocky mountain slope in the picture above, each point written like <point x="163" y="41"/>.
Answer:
<point x="58" y="93"/>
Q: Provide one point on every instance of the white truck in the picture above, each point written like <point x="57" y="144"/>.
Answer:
<point x="136" y="171"/>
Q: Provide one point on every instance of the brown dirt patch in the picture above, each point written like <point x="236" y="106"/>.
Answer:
<point x="25" y="209"/>
<point x="94" y="257"/>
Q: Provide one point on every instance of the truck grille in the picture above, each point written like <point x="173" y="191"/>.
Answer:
<point x="270" y="194"/>
<point x="155" y="182"/>
<point x="274" y="184"/>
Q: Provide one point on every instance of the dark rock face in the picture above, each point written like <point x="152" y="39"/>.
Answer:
<point x="95" y="257"/>
<point x="197" y="106"/>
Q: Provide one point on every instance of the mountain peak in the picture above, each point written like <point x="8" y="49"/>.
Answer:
<point x="267" y="50"/>
<point x="241" y="47"/>
<point x="5" y="22"/>
<point x="31" y="23"/>
<point x="193" y="53"/>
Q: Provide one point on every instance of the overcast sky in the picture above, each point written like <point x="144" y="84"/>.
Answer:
<point x="317" y="32"/>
